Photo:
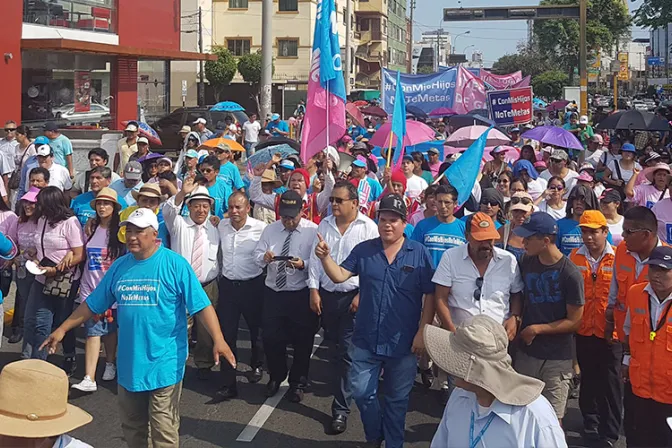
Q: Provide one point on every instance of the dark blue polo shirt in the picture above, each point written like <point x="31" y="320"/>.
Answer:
<point x="390" y="301"/>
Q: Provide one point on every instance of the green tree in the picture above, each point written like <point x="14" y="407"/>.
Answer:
<point x="220" y="72"/>
<point x="528" y="60"/>
<point x="549" y="84"/>
<point x="608" y="21"/>
<point x="249" y="67"/>
<point x="654" y="14"/>
<point x="425" y="70"/>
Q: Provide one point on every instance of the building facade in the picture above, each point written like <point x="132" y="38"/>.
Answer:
<point x="397" y="45"/>
<point x="371" y="51"/>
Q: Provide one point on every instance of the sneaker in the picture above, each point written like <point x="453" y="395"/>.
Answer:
<point x="87" y="385"/>
<point x="70" y="365"/>
<point x="110" y="371"/>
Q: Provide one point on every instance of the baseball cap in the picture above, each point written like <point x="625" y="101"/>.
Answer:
<point x="593" y="219"/>
<point x="393" y="203"/>
<point x="653" y="156"/>
<point x="192" y="153"/>
<point x="167" y="159"/>
<point x="142" y="218"/>
<point x="287" y="164"/>
<point x="517" y="202"/>
<point x="200" y="120"/>
<point x="131" y="127"/>
<point x="290" y="204"/>
<point x="540" y="223"/>
<point x="611" y="195"/>
<point x="661" y="256"/>
<point x="586" y="166"/>
<point x="185" y="129"/>
<point x="628" y="147"/>
<point x="359" y="162"/>
<point x="143" y="140"/>
<point x="44" y="150"/>
<point x="435" y="151"/>
<point x="275" y="117"/>
<point x="41" y="140"/>
<point x="597" y="138"/>
<point x="482" y="227"/>
<point x="584" y="176"/>
<point x="407" y="157"/>
<point x="583" y="119"/>
<point x="559" y="154"/>
<point x="133" y="170"/>
<point x="498" y="149"/>
<point x="51" y="126"/>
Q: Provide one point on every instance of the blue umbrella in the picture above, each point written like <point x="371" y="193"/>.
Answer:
<point x="539" y="103"/>
<point x="146" y="130"/>
<point x="266" y="154"/>
<point x="226" y="106"/>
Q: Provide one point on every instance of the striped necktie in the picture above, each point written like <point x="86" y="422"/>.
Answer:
<point x="281" y="277"/>
<point x="197" y="252"/>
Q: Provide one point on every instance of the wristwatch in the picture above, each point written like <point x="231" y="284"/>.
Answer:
<point x="519" y="319"/>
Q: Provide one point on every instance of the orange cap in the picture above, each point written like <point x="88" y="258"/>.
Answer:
<point x="483" y="228"/>
<point x="593" y="219"/>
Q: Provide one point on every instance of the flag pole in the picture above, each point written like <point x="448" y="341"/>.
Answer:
<point x="389" y="151"/>
<point x="328" y="107"/>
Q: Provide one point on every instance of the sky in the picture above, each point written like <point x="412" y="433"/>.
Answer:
<point x="493" y="39"/>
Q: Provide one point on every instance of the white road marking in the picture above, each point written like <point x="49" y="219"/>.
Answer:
<point x="257" y="422"/>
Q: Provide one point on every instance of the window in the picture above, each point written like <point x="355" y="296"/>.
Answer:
<point x="238" y="47"/>
<point x="345" y="16"/>
<point x="288" y="48"/>
<point x="289" y="5"/>
<point x="237" y="4"/>
<point x="364" y="25"/>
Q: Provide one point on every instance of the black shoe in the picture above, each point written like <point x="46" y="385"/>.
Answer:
<point x="427" y="377"/>
<point x="339" y="424"/>
<point x="575" y="387"/>
<point x="272" y="388"/>
<point x="70" y="365"/>
<point x="295" y="395"/>
<point x="255" y="375"/>
<point x="605" y="443"/>
<point x="16" y="336"/>
<point x="591" y="434"/>
<point x="203" y="374"/>
<point x="226" y="393"/>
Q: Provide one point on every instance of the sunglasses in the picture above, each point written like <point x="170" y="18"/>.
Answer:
<point x="490" y="203"/>
<point x="477" y="291"/>
<point x="503" y="181"/>
<point x="207" y="170"/>
<point x="339" y="201"/>
<point x="627" y="232"/>
<point x="557" y="160"/>
<point x="10" y="129"/>
<point x="557" y="188"/>
<point x="525" y="201"/>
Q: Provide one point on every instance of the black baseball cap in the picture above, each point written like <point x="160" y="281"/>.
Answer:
<point x="290" y="204"/>
<point x="393" y="203"/>
<point x="51" y="126"/>
<point x="661" y="256"/>
<point x="539" y="223"/>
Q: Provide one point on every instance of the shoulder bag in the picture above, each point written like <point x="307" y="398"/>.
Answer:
<point x="60" y="285"/>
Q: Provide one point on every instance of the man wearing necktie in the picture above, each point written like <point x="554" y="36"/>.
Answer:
<point x="197" y="240"/>
<point x="285" y="247"/>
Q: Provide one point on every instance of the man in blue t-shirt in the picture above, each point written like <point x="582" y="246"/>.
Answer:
<point x="154" y="289"/>
<point x="61" y="146"/>
<point x="99" y="178"/>
<point x="228" y="171"/>
<point x="276" y="127"/>
<point x="360" y="170"/>
<point x="217" y="188"/>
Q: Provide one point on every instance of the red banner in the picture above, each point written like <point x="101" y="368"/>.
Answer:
<point x="470" y="92"/>
<point x="82" y="91"/>
<point x="500" y="82"/>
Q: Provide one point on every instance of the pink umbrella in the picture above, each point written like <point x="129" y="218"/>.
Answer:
<point x="416" y="133"/>
<point x="442" y="112"/>
<point x="464" y="137"/>
<point x="512" y="153"/>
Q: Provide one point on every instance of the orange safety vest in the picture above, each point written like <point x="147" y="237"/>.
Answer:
<point x="651" y="351"/>
<point x="624" y="269"/>
<point x="310" y="210"/>
<point x="596" y="291"/>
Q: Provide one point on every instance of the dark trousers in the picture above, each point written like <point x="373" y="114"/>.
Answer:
<point x="650" y="421"/>
<point x="628" y="411"/>
<point x="601" y="386"/>
<point x="339" y="322"/>
<point x="236" y="298"/>
<point x="22" y="291"/>
<point x="288" y="319"/>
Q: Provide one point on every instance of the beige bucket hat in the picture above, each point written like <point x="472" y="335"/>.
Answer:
<point x="34" y="401"/>
<point x="477" y="353"/>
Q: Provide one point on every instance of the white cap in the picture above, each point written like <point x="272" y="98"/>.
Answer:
<point x="200" y="121"/>
<point x="200" y="193"/>
<point x="142" y="218"/>
<point x="143" y="140"/>
<point x="43" y="150"/>
<point x="583" y="119"/>
<point x="131" y="127"/>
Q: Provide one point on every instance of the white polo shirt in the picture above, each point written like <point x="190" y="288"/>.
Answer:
<point x="458" y="272"/>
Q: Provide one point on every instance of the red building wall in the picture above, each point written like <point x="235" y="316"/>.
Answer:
<point x="149" y="23"/>
<point x="10" y="69"/>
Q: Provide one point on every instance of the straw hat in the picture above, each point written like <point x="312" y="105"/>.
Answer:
<point x="269" y="178"/>
<point x="148" y="190"/>
<point x="106" y="194"/>
<point x="34" y="401"/>
<point x="477" y="353"/>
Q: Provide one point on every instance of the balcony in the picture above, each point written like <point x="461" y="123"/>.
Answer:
<point x="89" y="15"/>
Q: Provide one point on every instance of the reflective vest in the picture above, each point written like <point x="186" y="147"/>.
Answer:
<point x="310" y="210"/>
<point x="625" y="270"/>
<point x="651" y="355"/>
<point x="596" y="287"/>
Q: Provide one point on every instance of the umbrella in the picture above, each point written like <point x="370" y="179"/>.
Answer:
<point x="481" y="112"/>
<point x="416" y="132"/>
<point x="150" y="156"/>
<point x="226" y="106"/>
<point x="147" y="131"/>
<point x="512" y="153"/>
<point x="464" y="137"/>
<point x="374" y="111"/>
<point x="361" y="103"/>
<point x="539" y="103"/>
<point x="634" y="120"/>
<point x="274" y="141"/>
<point x="265" y="155"/>
<point x="557" y="105"/>
<point x="442" y="112"/>
<point x="553" y="135"/>
<point x="214" y="142"/>
<point x="416" y="112"/>
<point x="461" y="121"/>
<point x="355" y="114"/>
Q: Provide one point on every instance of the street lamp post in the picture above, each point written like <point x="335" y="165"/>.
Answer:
<point x="455" y="41"/>
<point x="464" y="52"/>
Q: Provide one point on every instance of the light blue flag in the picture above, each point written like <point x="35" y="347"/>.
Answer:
<point x="463" y="173"/>
<point x="399" y="120"/>
<point x="326" y="40"/>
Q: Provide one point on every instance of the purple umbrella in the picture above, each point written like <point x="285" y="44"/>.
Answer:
<point x="557" y="105"/>
<point x="555" y="136"/>
<point x="442" y="112"/>
<point x="150" y="156"/>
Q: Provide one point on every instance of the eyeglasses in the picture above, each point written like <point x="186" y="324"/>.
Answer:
<point x="556" y="187"/>
<point x="339" y="201"/>
<point x="10" y="129"/>
<point x="477" y="291"/>
<point x="503" y="181"/>
<point x="627" y="232"/>
<point x="526" y="201"/>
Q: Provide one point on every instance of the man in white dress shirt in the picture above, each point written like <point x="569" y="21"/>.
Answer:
<point x="59" y="176"/>
<point x="337" y="304"/>
<point x="285" y="248"/>
<point x="492" y="405"/>
<point x="197" y="240"/>
<point x="241" y="288"/>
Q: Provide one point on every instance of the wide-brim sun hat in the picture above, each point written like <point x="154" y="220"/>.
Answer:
<point x="477" y="353"/>
<point x="106" y="194"/>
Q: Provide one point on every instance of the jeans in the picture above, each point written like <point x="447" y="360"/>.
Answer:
<point x="249" y="147"/>
<point x="386" y="421"/>
<point x="22" y="292"/>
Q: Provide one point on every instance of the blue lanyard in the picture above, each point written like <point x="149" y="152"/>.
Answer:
<point x="472" y="442"/>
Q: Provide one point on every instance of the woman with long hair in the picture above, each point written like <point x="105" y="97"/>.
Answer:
<point x="551" y="201"/>
<point x="610" y="206"/>
<point x="26" y="228"/>
<point x="504" y="181"/>
<point x="421" y="167"/>
<point x="102" y="248"/>
<point x="428" y="207"/>
<point x="580" y="199"/>
<point x="492" y="169"/>
<point x="59" y="250"/>
<point x="520" y="208"/>
<point x="492" y="204"/>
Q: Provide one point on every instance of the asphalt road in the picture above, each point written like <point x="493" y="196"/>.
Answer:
<point x="288" y="425"/>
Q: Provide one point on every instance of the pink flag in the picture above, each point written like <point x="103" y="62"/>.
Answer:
<point x="501" y="82"/>
<point x="469" y="92"/>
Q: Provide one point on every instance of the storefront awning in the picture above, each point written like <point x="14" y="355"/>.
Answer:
<point x="113" y="50"/>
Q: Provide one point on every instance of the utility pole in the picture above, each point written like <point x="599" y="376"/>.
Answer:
<point x="348" y="45"/>
<point x="409" y="67"/>
<point x="266" y="57"/>
<point x="583" y="54"/>
<point x="201" y="65"/>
